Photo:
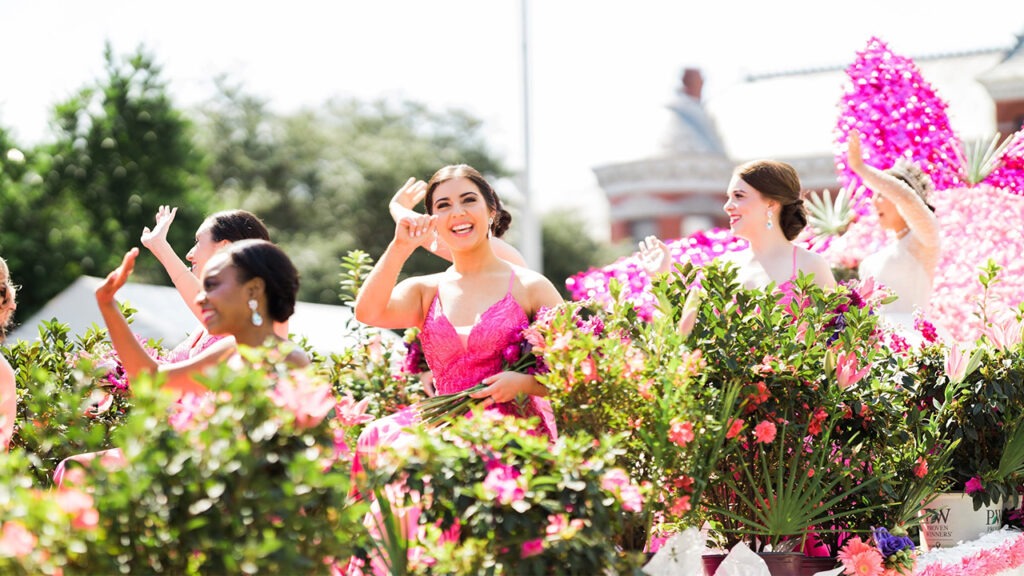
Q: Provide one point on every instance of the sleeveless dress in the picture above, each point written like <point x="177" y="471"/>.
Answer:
<point x="457" y="366"/>
<point x="896" y="268"/>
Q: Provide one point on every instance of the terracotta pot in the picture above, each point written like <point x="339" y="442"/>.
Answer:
<point x="783" y="563"/>
<point x="812" y="565"/>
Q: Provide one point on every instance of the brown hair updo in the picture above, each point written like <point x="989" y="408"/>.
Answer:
<point x="502" y="218"/>
<point x="778" y="181"/>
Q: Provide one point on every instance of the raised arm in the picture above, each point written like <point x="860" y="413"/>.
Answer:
<point x="133" y="356"/>
<point x="918" y="216"/>
<point x="179" y="272"/>
<point x="382" y="301"/>
<point x="655" y="256"/>
<point x="411" y="194"/>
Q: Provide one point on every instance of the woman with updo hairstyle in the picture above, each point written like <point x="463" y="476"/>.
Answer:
<point x="765" y="208"/>
<point x="466" y="314"/>
<point x="247" y="286"/>
<point x="907" y="265"/>
<point x="217" y="230"/>
<point x="415" y="191"/>
<point x="8" y="390"/>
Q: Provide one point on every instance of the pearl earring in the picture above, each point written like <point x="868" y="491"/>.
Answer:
<point x="769" y="225"/>
<point x="257" y="320"/>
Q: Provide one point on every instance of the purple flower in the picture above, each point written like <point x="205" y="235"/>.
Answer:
<point x="888" y="544"/>
<point x="512" y="353"/>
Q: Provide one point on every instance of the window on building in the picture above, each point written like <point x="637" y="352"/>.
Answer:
<point x="695" y="223"/>
<point x="640" y="229"/>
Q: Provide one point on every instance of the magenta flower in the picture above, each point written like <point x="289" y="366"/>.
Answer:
<point x="503" y="484"/>
<point x="618" y="482"/>
<point x="973" y="485"/>
<point x="531" y="548"/>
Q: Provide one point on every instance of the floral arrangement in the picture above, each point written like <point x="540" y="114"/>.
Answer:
<point x="486" y="495"/>
<point x="978" y="387"/>
<point x="886" y="554"/>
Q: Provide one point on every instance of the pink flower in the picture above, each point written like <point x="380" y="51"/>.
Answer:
<point x="375" y="349"/>
<point x="560" y="527"/>
<point x="16" y="540"/>
<point x="79" y="505"/>
<point x="531" y="548"/>
<point x="867" y="563"/>
<point x="307" y="401"/>
<point x="351" y="413"/>
<point x="618" y="482"/>
<point x="973" y="485"/>
<point x="921" y="468"/>
<point x="1005" y="333"/>
<point x="188" y="409"/>
<point x="956" y="363"/>
<point x="680" y="433"/>
<point x="847" y="373"/>
<point x="735" y="427"/>
<point x="589" y="368"/>
<point x="680" y="506"/>
<point x="503" y="484"/>
<point x="764" y="432"/>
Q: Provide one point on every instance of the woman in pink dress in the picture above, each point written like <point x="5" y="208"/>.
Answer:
<point x="218" y="230"/>
<point x="247" y="286"/>
<point x="8" y="391"/>
<point x="467" y="314"/>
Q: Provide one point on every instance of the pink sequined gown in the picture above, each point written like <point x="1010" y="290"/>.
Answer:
<point x="457" y="367"/>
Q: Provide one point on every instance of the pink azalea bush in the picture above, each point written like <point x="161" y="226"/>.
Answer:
<point x="485" y="491"/>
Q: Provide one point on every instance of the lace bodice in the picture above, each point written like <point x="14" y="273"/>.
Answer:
<point x="457" y="366"/>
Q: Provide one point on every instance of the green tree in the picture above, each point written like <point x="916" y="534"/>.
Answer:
<point x="122" y="150"/>
<point x="321" y="178"/>
<point x="570" y="249"/>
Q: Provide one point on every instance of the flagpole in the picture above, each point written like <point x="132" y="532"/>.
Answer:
<point x="531" y="229"/>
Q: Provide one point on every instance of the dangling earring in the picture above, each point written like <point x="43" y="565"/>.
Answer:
<point x="257" y="320"/>
<point x="769" y="225"/>
<point x="490" y="223"/>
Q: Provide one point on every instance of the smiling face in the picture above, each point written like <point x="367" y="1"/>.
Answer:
<point x="204" y="248"/>
<point x="462" y="213"/>
<point x="888" y="216"/>
<point x="748" y="209"/>
<point x="224" y="298"/>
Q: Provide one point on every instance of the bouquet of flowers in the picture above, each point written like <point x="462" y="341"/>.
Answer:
<point x="886" y="554"/>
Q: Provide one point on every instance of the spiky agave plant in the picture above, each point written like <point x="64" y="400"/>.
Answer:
<point x="830" y="216"/>
<point x="981" y="157"/>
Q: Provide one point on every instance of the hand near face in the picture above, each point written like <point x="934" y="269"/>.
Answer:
<point x="116" y="279"/>
<point x="411" y="193"/>
<point x="655" y="256"/>
<point x="415" y="231"/>
<point x="164" y="218"/>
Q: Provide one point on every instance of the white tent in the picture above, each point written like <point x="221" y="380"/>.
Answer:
<point x="162" y="315"/>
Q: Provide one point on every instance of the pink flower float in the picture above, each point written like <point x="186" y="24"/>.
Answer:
<point x="902" y="116"/>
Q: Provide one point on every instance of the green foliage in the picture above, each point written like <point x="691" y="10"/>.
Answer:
<point x="981" y="157"/>
<point x="570" y="247"/>
<point x="242" y="481"/>
<point x="322" y="178"/>
<point x="72" y="396"/>
<point x="828" y="216"/>
<point x="485" y="495"/>
<point x="123" y="150"/>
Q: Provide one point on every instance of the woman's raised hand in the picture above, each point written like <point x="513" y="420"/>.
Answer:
<point x="164" y="218"/>
<point x="854" y="156"/>
<point x="105" y="292"/>
<point x="411" y="193"/>
<point x="655" y="256"/>
<point x="415" y="230"/>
